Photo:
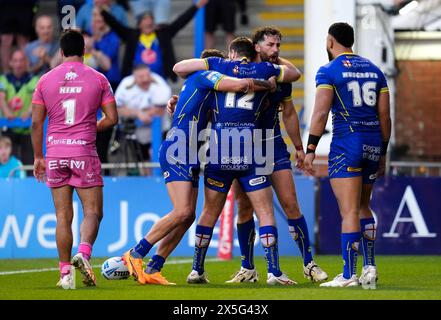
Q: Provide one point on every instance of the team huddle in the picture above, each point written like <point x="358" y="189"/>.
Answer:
<point x="226" y="121"/>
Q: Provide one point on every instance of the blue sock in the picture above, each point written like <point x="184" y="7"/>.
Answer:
<point x="349" y="248"/>
<point x="155" y="264"/>
<point x="203" y="238"/>
<point x="141" y="249"/>
<point x="299" y="232"/>
<point x="268" y="237"/>
<point x="369" y="233"/>
<point x="246" y="233"/>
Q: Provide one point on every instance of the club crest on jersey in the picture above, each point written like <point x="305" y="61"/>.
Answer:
<point x="236" y="70"/>
<point x="267" y="239"/>
<point x="347" y="63"/>
<point x="71" y="75"/>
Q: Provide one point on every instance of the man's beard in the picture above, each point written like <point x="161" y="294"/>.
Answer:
<point x="330" y="57"/>
<point x="267" y="58"/>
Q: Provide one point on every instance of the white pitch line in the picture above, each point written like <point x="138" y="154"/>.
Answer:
<point x="183" y="261"/>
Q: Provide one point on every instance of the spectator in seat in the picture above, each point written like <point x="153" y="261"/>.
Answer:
<point x="159" y="8"/>
<point x="40" y="52"/>
<point x="19" y="85"/>
<point x="150" y="44"/>
<point x="84" y="16"/>
<point x="10" y="166"/>
<point x="16" y="18"/>
<point x="140" y="97"/>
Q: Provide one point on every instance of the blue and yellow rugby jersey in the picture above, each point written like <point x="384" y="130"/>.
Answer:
<point x="269" y="118"/>
<point x="240" y="110"/>
<point x="357" y="84"/>
<point x="195" y="100"/>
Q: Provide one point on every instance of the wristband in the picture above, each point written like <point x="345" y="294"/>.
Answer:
<point x="312" y="143"/>
<point x="299" y="147"/>
<point x="384" y="146"/>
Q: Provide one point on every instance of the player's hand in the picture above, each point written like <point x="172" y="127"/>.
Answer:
<point x="300" y="158"/>
<point x="307" y="164"/>
<point x="381" y="167"/>
<point x="201" y="3"/>
<point x="40" y="169"/>
<point x="273" y="82"/>
<point x="171" y="104"/>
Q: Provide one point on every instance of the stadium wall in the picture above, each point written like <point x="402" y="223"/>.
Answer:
<point x="131" y="206"/>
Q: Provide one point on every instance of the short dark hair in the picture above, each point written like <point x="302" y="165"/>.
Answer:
<point x="243" y="46"/>
<point x="72" y="43"/>
<point x="144" y="15"/>
<point x="260" y="33"/>
<point x="343" y="33"/>
<point x="212" y="53"/>
<point x="140" y="66"/>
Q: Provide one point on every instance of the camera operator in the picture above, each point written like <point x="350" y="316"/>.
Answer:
<point x="141" y="97"/>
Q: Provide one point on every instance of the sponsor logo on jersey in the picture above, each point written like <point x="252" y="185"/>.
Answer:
<point x="71" y="75"/>
<point x="213" y="76"/>
<point x="215" y="183"/>
<point x="236" y="70"/>
<point x="352" y="169"/>
<point x="373" y="176"/>
<point x="257" y="181"/>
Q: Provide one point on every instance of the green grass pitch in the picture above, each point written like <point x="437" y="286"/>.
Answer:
<point x="401" y="277"/>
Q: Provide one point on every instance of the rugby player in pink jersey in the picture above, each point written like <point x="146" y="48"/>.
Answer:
<point x="71" y="95"/>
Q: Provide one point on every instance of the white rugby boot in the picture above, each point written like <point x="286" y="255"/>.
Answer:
<point x="369" y="277"/>
<point x="195" y="277"/>
<point x="282" y="279"/>
<point x="244" y="275"/>
<point x="67" y="281"/>
<point x="340" y="282"/>
<point x="314" y="273"/>
<point x="83" y="265"/>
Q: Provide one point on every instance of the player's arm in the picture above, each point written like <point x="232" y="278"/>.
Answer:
<point x="230" y="84"/>
<point x="385" y="126"/>
<point x="185" y="67"/>
<point x="292" y="127"/>
<point x="110" y="117"/>
<point x="38" y="117"/>
<point x="289" y="71"/>
<point x="322" y="105"/>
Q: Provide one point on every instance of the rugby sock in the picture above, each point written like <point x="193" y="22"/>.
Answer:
<point x="64" y="268"/>
<point x="155" y="264"/>
<point x="268" y="237"/>
<point x="299" y="232"/>
<point x="369" y="233"/>
<point x="246" y="233"/>
<point x="349" y="248"/>
<point x="202" y="241"/>
<point x="141" y="249"/>
<point x="86" y="249"/>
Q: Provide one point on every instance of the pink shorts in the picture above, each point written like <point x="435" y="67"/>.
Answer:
<point x="80" y="172"/>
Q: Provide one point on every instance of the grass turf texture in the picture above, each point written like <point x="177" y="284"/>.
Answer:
<point x="401" y="277"/>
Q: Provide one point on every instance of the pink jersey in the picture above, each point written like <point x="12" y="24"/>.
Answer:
<point x="72" y="94"/>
